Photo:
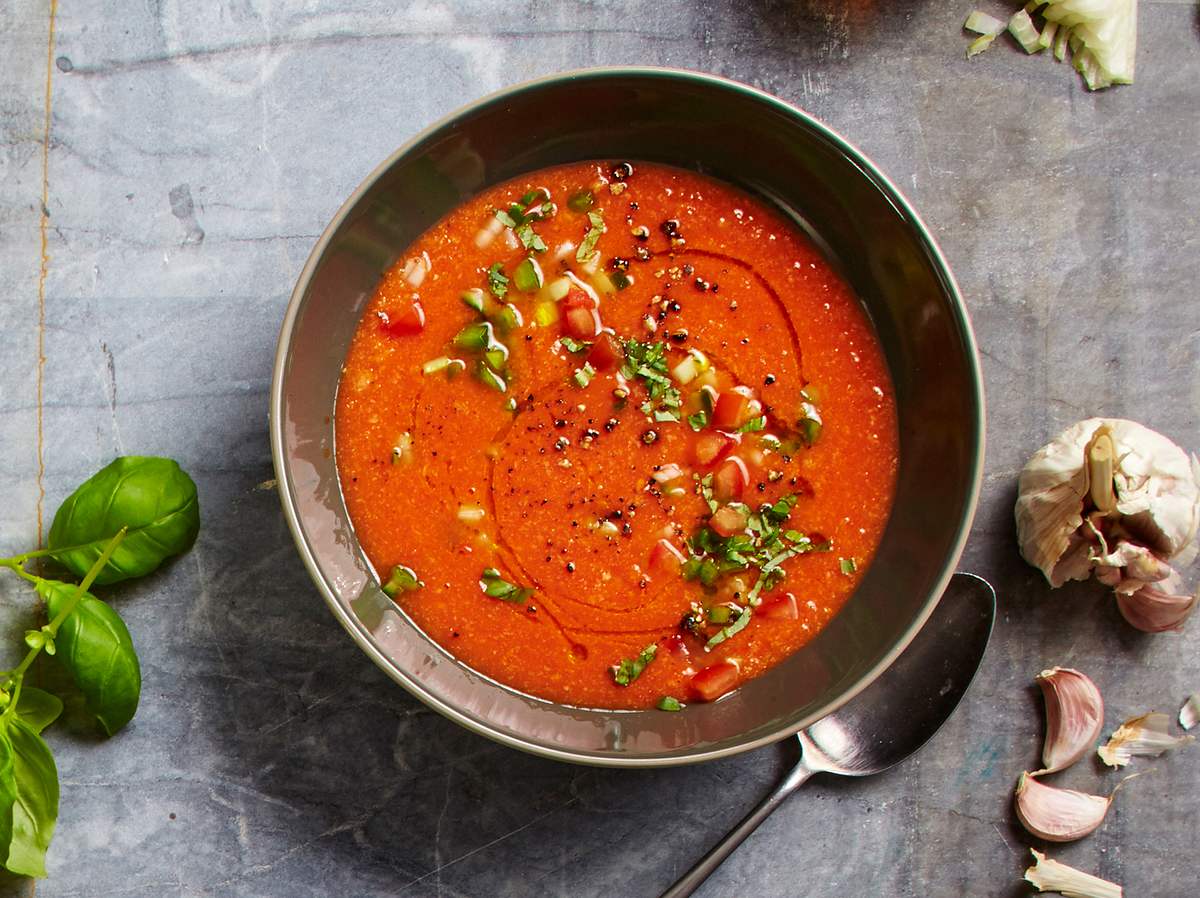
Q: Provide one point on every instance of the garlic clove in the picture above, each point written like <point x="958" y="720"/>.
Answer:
<point x="1156" y="607"/>
<point x="1057" y="815"/>
<point x="1074" y="716"/>
<point x="1189" y="714"/>
<point x="1146" y="736"/>
<point x="1048" y="875"/>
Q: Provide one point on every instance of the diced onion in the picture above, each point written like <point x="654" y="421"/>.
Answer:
<point x="471" y="514"/>
<point x="416" y="268"/>
<point x="486" y="234"/>
<point x="564" y="249"/>
<point x="554" y="290"/>
<point x="603" y="283"/>
<point x="667" y="473"/>
<point x="402" y="451"/>
<point x="685" y="372"/>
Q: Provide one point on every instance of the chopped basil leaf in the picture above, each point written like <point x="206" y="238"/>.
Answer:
<point x="631" y="668"/>
<point x="497" y="282"/>
<point x="529" y="238"/>
<point x="699" y="420"/>
<point x="493" y="585"/>
<point x="581" y="201"/>
<point x="732" y="630"/>
<point x="572" y="345"/>
<point x="781" y="509"/>
<point x="583" y="376"/>
<point x="848" y="565"/>
<point x="754" y="424"/>
<point x="505" y="219"/>
<point x="669" y="703"/>
<point x="705" y="489"/>
<point x="647" y="362"/>
<point x="587" y="248"/>
<point x="402" y="579"/>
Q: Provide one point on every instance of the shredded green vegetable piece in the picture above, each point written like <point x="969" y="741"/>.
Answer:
<point x="629" y="669"/>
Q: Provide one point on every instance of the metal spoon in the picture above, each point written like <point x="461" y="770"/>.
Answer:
<point x="891" y="718"/>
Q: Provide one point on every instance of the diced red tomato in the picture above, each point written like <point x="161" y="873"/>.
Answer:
<point x="779" y="606"/>
<point x="727" y="521"/>
<point x="730" y="480"/>
<point x="665" y="558"/>
<point x="404" y="320"/>
<point x="581" y="323"/>
<point x="606" y="352"/>
<point x="674" y="644"/>
<point x="730" y="410"/>
<point x="715" y="680"/>
<point x="711" y="447"/>
<point x="578" y="298"/>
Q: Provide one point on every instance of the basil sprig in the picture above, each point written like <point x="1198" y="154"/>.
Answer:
<point x="629" y="669"/>
<point x="493" y="585"/>
<point x="123" y="522"/>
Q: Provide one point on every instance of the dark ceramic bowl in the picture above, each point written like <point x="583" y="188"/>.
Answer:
<point x="764" y="146"/>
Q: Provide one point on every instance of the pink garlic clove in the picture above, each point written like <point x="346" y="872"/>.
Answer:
<point x="1157" y="607"/>
<point x="1057" y="815"/>
<point x="1074" y="716"/>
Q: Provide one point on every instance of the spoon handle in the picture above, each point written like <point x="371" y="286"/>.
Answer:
<point x="691" y="880"/>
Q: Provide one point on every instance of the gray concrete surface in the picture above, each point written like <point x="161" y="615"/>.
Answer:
<point x="190" y="154"/>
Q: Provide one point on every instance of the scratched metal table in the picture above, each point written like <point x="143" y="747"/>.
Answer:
<point x="165" y="169"/>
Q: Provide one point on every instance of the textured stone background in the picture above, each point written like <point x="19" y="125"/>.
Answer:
<point x="191" y="154"/>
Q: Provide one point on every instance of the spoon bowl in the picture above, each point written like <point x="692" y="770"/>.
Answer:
<point x="889" y="720"/>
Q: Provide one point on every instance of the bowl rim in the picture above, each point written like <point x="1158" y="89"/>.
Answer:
<point x="868" y="168"/>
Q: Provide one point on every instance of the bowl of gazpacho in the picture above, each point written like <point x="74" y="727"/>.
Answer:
<point x="629" y="417"/>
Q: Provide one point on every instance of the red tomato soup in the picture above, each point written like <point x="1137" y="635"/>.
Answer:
<point x="616" y="435"/>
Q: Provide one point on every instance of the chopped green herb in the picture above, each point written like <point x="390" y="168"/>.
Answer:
<point x="493" y="585"/>
<point x="497" y="282"/>
<point x="529" y="238"/>
<point x="754" y="424"/>
<point x="402" y="579"/>
<point x="587" y="248"/>
<point x="528" y="276"/>
<point x="698" y="421"/>
<point x="647" y="362"/>
<point x="631" y="668"/>
<point x="704" y="487"/>
<point x="669" y="703"/>
<point x="848" y="565"/>
<point x="571" y="345"/>
<point x="732" y="630"/>
<point x="583" y="376"/>
<point x="581" y="201"/>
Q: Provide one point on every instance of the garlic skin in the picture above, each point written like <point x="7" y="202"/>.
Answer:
<point x="1146" y="736"/>
<point x="1074" y="716"/>
<point x="1113" y="499"/>
<point x="1189" y="714"/>
<point x="1048" y="875"/>
<point x="1057" y="815"/>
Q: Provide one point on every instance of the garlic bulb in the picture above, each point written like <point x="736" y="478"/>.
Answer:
<point x="1074" y="716"/>
<point x="1048" y="875"/>
<point x="1146" y="735"/>
<point x="1189" y="714"/>
<point x="1112" y="499"/>
<point x="1057" y="815"/>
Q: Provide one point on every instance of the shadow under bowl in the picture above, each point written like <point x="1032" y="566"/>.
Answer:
<point x="762" y="145"/>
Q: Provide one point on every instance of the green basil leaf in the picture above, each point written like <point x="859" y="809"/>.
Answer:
<point x="38" y="708"/>
<point x="35" y="810"/>
<point x="94" y="645"/>
<point x="8" y="791"/>
<point x="153" y="497"/>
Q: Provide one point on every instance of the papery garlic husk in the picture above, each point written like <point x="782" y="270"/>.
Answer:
<point x="1048" y="875"/>
<point x="1147" y="736"/>
<point x="1153" y="494"/>
<point x="1189" y="714"/>
<point x="1057" y="815"/>
<point x="1156" y="607"/>
<point x="1074" y="716"/>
